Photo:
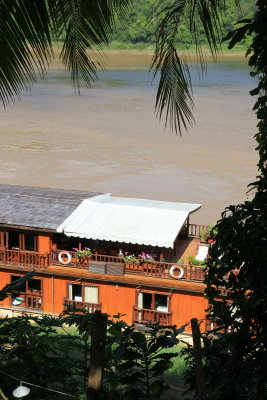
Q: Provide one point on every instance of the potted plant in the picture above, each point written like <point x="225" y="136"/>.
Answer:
<point x="208" y="235"/>
<point x="204" y="234"/>
<point x="213" y="231"/>
<point x="192" y="260"/>
<point x="145" y="257"/>
<point x="129" y="258"/>
<point x="82" y="254"/>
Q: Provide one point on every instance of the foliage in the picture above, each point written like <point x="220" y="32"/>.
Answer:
<point x="29" y="27"/>
<point x="15" y="286"/>
<point x="209" y="233"/>
<point x="236" y="276"/>
<point x="54" y="353"/>
<point x="139" y="25"/>
<point x="192" y="260"/>
<point x="139" y="359"/>
<point x="85" y="253"/>
<point x="129" y="258"/>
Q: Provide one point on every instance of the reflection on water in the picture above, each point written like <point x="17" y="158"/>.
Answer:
<point x="109" y="140"/>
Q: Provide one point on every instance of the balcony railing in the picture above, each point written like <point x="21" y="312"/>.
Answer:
<point x="153" y="269"/>
<point x="193" y="230"/>
<point x="27" y="300"/>
<point x="82" y="305"/>
<point x="145" y="316"/>
<point x="83" y="262"/>
<point x="25" y="258"/>
<point x="162" y="270"/>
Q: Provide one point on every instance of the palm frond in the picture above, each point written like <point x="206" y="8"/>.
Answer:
<point x="25" y="45"/>
<point x="174" y="96"/>
<point x="87" y="24"/>
<point x="26" y="29"/>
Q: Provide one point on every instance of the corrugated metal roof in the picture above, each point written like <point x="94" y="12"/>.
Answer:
<point x="38" y="207"/>
<point x="147" y="222"/>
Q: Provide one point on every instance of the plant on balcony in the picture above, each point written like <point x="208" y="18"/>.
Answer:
<point x="208" y="233"/>
<point x="85" y="253"/>
<point x="145" y="257"/>
<point x="129" y="258"/>
<point x="192" y="260"/>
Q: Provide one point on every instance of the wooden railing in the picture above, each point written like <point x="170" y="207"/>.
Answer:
<point x="145" y="316"/>
<point x="162" y="270"/>
<point x="81" y="305"/>
<point x="25" y="258"/>
<point x="83" y="262"/>
<point x="75" y="262"/>
<point x="193" y="230"/>
<point x="33" y="301"/>
<point x="154" y="269"/>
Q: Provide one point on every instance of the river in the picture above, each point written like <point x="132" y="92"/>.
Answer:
<point x="109" y="140"/>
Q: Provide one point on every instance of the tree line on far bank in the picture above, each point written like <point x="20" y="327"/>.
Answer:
<point x="139" y="26"/>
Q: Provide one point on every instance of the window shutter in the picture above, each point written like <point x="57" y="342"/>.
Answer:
<point x="140" y="300"/>
<point x="91" y="294"/>
<point x="70" y="292"/>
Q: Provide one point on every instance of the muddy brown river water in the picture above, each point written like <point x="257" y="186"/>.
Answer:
<point x="109" y="140"/>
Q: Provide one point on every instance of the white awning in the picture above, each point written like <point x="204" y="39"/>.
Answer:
<point x="117" y="219"/>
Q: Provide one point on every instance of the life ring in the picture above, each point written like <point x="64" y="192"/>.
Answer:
<point x="173" y="268"/>
<point x="66" y="254"/>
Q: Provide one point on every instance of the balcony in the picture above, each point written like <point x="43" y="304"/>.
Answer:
<point x="81" y="305"/>
<point x="145" y="316"/>
<point x="27" y="300"/>
<point x="102" y="264"/>
<point x="193" y="230"/>
<point x="25" y="258"/>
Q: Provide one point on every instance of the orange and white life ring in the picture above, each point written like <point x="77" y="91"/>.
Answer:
<point x="66" y="254"/>
<point x="173" y="268"/>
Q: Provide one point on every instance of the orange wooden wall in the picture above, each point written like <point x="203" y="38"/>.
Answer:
<point x="44" y="244"/>
<point x="5" y="279"/>
<point x="114" y="298"/>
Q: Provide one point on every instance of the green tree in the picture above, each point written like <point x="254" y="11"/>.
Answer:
<point x="54" y="352"/>
<point x="236" y="276"/>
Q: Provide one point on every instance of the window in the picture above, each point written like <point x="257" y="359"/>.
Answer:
<point x="22" y="241"/>
<point x="30" y="294"/>
<point x="30" y="242"/>
<point x="84" y="293"/>
<point x="151" y="308"/>
<point x="153" y="301"/>
<point x="13" y="240"/>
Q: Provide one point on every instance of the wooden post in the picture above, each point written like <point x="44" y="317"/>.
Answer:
<point x="200" y="381"/>
<point x="187" y="228"/>
<point x="97" y="355"/>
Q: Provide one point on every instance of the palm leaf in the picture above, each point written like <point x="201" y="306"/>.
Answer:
<point x="26" y="29"/>
<point x="25" y="45"/>
<point x="87" y="24"/>
<point x="174" y="95"/>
